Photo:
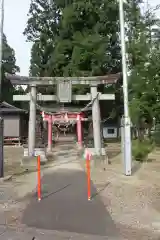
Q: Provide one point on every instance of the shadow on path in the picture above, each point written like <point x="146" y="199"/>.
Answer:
<point x="65" y="207"/>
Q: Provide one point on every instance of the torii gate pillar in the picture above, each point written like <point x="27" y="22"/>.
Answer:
<point x="96" y="121"/>
<point x="49" y="148"/>
<point x="79" y="130"/>
<point x="32" y="121"/>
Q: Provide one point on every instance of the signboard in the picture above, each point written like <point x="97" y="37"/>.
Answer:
<point x="64" y="91"/>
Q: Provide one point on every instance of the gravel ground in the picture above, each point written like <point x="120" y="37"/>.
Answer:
<point x="12" y="159"/>
<point x="133" y="202"/>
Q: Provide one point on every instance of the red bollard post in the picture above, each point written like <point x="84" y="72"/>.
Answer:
<point x="88" y="158"/>
<point x="39" y="178"/>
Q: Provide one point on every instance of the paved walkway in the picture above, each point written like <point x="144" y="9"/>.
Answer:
<point x="41" y="234"/>
<point x="65" y="207"/>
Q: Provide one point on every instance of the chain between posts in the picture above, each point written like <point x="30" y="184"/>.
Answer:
<point x="51" y="113"/>
<point x="81" y="110"/>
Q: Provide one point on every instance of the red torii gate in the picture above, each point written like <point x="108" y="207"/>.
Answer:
<point x="77" y="117"/>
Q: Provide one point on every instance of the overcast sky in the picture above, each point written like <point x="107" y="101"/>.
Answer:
<point x="14" y="24"/>
<point x="15" y="18"/>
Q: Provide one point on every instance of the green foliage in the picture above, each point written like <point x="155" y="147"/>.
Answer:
<point x="9" y="66"/>
<point x="81" y="38"/>
<point x="74" y="38"/>
<point x="156" y="135"/>
<point x="141" y="149"/>
<point x="144" y="57"/>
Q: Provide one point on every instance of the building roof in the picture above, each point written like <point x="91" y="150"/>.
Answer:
<point x="8" y="108"/>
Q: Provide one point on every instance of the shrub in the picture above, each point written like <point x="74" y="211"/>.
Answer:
<point x="141" y="149"/>
<point x="156" y="135"/>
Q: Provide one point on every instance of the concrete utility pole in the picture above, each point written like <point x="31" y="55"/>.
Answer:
<point x="96" y="121"/>
<point x="127" y="122"/>
<point x="1" y="116"/>
<point x="32" y="121"/>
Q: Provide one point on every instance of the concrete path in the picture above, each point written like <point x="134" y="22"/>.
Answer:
<point x="41" y="234"/>
<point x="65" y="207"/>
